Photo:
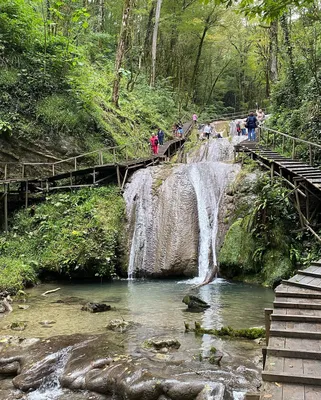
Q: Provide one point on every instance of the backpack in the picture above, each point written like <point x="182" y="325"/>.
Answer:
<point x="156" y="142"/>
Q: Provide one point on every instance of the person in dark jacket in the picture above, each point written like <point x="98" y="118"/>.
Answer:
<point x="251" y="124"/>
<point x="160" y="135"/>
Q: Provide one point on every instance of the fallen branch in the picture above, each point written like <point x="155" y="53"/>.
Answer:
<point x="50" y="291"/>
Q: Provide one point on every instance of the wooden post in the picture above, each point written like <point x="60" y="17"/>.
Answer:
<point x="5" y="200"/>
<point x="293" y="148"/>
<point x="75" y="164"/>
<point x="94" y="176"/>
<point x="267" y="315"/>
<point x="114" y="154"/>
<point x="118" y="176"/>
<point x="272" y="172"/>
<point x="310" y="154"/>
<point x="26" y="195"/>
<point x="273" y="143"/>
<point x="53" y="169"/>
<point x="70" y="178"/>
<point x="307" y="205"/>
<point x="5" y="171"/>
<point x="23" y="171"/>
<point x="298" y="204"/>
<point x="283" y="144"/>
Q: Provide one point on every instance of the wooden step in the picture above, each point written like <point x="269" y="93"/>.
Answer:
<point x="305" y="305"/>
<point x="291" y="333"/>
<point x="289" y="353"/>
<point x="303" y="285"/>
<point x="296" y="318"/>
<point x="309" y="273"/>
<point x="298" y="295"/>
<point x="291" y="378"/>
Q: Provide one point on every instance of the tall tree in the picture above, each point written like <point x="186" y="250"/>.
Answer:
<point x="121" y="48"/>
<point x="154" y="44"/>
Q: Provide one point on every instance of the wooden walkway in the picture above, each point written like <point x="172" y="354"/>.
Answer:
<point x="20" y="182"/>
<point x="303" y="178"/>
<point x="292" y="368"/>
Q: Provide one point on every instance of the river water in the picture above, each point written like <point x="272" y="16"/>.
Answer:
<point x="157" y="310"/>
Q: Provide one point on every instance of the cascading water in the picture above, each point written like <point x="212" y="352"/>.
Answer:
<point x="173" y="213"/>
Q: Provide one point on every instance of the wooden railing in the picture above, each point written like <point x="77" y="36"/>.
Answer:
<point x="114" y="154"/>
<point x="289" y="144"/>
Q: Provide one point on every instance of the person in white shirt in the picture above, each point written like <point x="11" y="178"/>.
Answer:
<point x="207" y="130"/>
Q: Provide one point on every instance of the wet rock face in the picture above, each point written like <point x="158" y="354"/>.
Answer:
<point x="73" y="363"/>
<point x="162" y="213"/>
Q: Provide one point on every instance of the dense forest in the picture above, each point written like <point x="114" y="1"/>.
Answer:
<point x="100" y="69"/>
<point x="79" y="74"/>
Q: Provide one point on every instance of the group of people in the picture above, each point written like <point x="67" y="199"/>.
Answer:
<point x="209" y="130"/>
<point x="177" y="130"/>
<point x="157" y="140"/>
<point x="249" y="125"/>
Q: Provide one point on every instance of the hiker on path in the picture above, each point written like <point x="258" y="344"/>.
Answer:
<point x="195" y="117"/>
<point x="243" y="128"/>
<point x="260" y="116"/>
<point x="251" y="124"/>
<point x="154" y="143"/>
<point x="160" y="135"/>
<point x="207" y="130"/>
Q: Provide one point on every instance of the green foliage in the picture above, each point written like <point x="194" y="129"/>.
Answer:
<point x="262" y="242"/>
<point x="16" y="273"/>
<point x="75" y="234"/>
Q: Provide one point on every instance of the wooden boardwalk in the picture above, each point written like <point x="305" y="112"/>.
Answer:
<point x="292" y="368"/>
<point x="303" y="178"/>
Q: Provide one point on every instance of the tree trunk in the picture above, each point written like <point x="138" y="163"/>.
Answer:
<point x="148" y="35"/>
<point x="121" y="51"/>
<point x="208" y="24"/>
<point x="274" y="50"/>
<point x="289" y="50"/>
<point x="154" y="44"/>
<point x="101" y="15"/>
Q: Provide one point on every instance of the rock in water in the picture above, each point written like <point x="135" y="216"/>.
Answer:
<point x="118" y="325"/>
<point x="194" y="303"/>
<point x="161" y="343"/>
<point x="96" y="307"/>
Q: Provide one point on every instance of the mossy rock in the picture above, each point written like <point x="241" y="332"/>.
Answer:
<point x="276" y="266"/>
<point x="235" y="256"/>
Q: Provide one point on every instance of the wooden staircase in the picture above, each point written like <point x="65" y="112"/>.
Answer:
<point x="292" y="358"/>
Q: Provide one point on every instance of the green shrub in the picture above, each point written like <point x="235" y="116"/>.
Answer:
<point x="75" y="234"/>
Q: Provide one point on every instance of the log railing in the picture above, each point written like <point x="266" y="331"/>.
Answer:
<point x="309" y="152"/>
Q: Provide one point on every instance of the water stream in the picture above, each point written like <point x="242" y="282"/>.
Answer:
<point x="182" y="204"/>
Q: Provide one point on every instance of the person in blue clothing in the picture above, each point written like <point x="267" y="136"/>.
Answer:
<point x="160" y="135"/>
<point x="251" y="124"/>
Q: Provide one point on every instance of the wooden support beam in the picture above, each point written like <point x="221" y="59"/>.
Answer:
<point x="26" y="195"/>
<point x="124" y="180"/>
<point x="118" y="176"/>
<point x="5" y="207"/>
<point x="267" y="315"/>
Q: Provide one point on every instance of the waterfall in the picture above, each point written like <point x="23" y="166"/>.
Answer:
<point x="173" y="212"/>
<point x="209" y="180"/>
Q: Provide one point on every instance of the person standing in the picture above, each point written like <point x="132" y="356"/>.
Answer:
<point x="207" y="130"/>
<point x="154" y="143"/>
<point x="160" y="136"/>
<point x="260" y="116"/>
<point x="251" y="124"/>
<point x="243" y="128"/>
<point x="195" y="117"/>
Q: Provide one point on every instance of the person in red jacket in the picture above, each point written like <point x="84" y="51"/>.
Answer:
<point x="154" y="143"/>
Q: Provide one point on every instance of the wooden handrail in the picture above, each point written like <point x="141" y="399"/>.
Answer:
<point x="291" y="137"/>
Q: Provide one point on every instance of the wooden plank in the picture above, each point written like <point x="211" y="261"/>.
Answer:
<point x="296" y="318"/>
<point x="293" y="392"/>
<point x="303" y="285"/>
<point x="312" y="392"/>
<point x="291" y="378"/>
<point x="316" y="274"/>
<point x="312" y="306"/>
<point x="271" y="391"/>
<point x="295" y="334"/>
<point x="294" y="353"/>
